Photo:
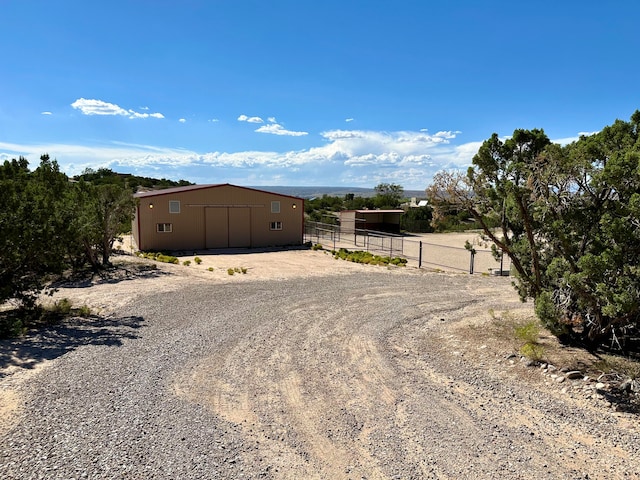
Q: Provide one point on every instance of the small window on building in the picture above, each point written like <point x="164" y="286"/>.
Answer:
<point x="275" y="226"/>
<point x="174" y="206"/>
<point x="275" y="207"/>
<point x="164" y="227"/>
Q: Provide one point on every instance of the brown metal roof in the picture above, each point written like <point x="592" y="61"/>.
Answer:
<point x="189" y="188"/>
<point x="374" y="211"/>
<point x="167" y="191"/>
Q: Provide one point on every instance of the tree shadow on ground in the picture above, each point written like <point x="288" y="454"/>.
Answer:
<point x="623" y="399"/>
<point x="52" y="341"/>
<point x="115" y="274"/>
<point x="240" y="250"/>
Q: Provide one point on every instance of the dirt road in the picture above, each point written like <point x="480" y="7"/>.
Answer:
<point x="355" y="375"/>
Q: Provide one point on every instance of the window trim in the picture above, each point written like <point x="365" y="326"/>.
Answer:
<point x="275" y="226"/>
<point x="275" y="206"/>
<point x="174" y="202"/>
<point x="162" y="227"/>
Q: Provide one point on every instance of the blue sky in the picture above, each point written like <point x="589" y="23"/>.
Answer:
<point x="296" y="92"/>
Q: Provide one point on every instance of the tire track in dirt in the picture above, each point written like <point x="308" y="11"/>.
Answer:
<point x="319" y="377"/>
<point x="369" y="382"/>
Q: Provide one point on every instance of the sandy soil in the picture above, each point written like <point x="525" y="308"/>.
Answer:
<point x="106" y="294"/>
<point x="136" y="277"/>
<point x="470" y="367"/>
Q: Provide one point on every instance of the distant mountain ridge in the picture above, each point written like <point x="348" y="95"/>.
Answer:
<point x="312" y="192"/>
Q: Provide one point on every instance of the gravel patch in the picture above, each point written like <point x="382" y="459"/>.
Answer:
<point x="338" y="376"/>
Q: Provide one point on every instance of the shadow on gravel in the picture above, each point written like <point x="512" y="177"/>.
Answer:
<point x="116" y="274"/>
<point x="240" y="250"/>
<point x="53" y="341"/>
<point x="622" y="399"/>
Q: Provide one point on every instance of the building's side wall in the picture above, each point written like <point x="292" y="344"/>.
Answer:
<point x="219" y="217"/>
<point x="348" y="222"/>
<point x="291" y="220"/>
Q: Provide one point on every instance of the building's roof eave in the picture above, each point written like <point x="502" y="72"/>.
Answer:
<point x="374" y="211"/>
<point x="191" y="188"/>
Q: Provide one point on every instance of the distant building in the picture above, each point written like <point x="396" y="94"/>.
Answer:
<point x="379" y="220"/>
<point x="414" y="203"/>
<point x="199" y="217"/>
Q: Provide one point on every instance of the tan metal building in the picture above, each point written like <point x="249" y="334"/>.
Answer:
<point x="199" y="217"/>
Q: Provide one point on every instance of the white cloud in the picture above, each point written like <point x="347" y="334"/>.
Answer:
<point x="363" y="142"/>
<point x="213" y="120"/>
<point x="99" y="107"/>
<point x="276" y="129"/>
<point x="182" y="120"/>
<point x="46" y="113"/>
<point x="587" y="134"/>
<point x="272" y="127"/>
<point x="133" y="114"/>
<point x="447" y="134"/>
<point x="349" y="157"/>
<point x="244" y="118"/>
<point x="348" y="120"/>
<point x="568" y="140"/>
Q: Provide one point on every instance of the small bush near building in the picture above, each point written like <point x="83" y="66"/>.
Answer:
<point x="368" y="258"/>
<point x="159" y="257"/>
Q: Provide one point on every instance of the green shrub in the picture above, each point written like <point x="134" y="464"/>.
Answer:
<point x="158" y="257"/>
<point x="210" y="269"/>
<point x="532" y="351"/>
<point x="84" y="311"/>
<point x="62" y="306"/>
<point x="317" y="246"/>
<point x="529" y="332"/>
<point x="11" y="325"/>
<point x="243" y="270"/>
<point x="198" y="260"/>
<point x="167" y="259"/>
<point x="549" y="314"/>
<point x="400" y="262"/>
<point x="230" y="271"/>
<point x="368" y="258"/>
<point x="186" y="263"/>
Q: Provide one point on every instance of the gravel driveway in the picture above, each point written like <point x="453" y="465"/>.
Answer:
<point x="350" y="376"/>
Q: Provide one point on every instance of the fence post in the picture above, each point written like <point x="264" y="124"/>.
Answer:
<point x="420" y="255"/>
<point x="501" y="263"/>
<point x="471" y="262"/>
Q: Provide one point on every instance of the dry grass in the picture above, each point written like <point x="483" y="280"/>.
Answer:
<point x="502" y="333"/>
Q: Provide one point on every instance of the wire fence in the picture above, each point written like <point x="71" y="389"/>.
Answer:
<point x="417" y="252"/>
